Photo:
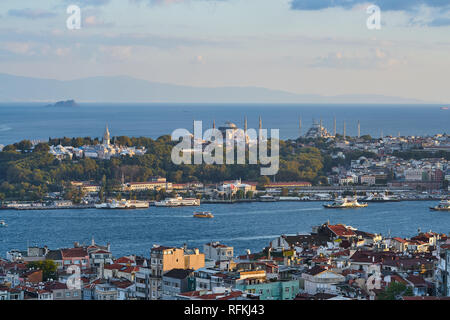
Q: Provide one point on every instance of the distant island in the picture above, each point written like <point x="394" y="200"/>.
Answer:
<point x="67" y="103"/>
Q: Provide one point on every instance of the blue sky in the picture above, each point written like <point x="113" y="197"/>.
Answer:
<point x="303" y="46"/>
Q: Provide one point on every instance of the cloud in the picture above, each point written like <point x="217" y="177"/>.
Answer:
<point x="168" y="2"/>
<point x="21" y="48"/>
<point x="198" y="60"/>
<point x="31" y="13"/>
<point x="439" y="22"/>
<point x="88" y="3"/>
<point x="94" y="21"/>
<point x="117" y="52"/>
<point x="60" y="38"/>
<point x="388" y="5"/>
<point x="374" y="59"/>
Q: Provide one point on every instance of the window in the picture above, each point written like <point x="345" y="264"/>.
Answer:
<point x="67" y="294"/>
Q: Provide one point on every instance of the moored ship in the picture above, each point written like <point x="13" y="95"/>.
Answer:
<point x="380" y="197"/>
<point x="178" y="202"/>
<point x="344" y="203"/>
<point x="203" y="214"/>
<point x="444" y="205"/>
<point x="123" y="204"/>
<point x="267" y="198"/>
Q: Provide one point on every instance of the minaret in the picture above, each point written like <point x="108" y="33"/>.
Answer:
<point x="321" y="131"/>
<point x="299" y="127"/>
<point x="260" y="128"/>
<point x="344" y="130"/>
<point x="214" y="124"/>
<point x="359" y="129"/>
<point x="106" y="137"/>
<point x="334" y="127"/>
<point x="245" y="130"/>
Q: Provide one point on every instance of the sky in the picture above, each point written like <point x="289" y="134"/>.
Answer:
<point x="301" y="46"/>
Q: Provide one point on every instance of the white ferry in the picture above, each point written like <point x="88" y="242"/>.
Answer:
<point x="444" y="205"/>
<point x="344" y="203"/>
<point x="178" y="202"/>
<point x="267" y="198"/>
<point x="380" y="197"/>
<point x="123" y="204"/>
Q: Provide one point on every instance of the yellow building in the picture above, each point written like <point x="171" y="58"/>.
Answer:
<point x="163" y="259"/>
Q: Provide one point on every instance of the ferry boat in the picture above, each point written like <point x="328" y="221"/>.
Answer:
<point x="123" y="204"/>
<point x="380" y="197"/>
<point x="267" y="198"/>
<point x="344" y="203"/>
<point x="3" y="224"/>
<point x="203" y="214"/>
<point x="178" y="202"/>
<point x="444" y="205"/>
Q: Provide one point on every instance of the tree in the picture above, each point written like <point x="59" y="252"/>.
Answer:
<point x="48" y="268"/>
<point x="262" y="181"/>
<point x="41" y="148"/>
<point x="9" y="148"/>
<point x="24" y="145"/>
<point x="395" y="290"/>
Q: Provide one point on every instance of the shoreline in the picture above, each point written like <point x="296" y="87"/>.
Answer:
<point x="226" y="202"/>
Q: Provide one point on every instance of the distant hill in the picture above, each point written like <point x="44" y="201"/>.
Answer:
<point x="127" y="89"/>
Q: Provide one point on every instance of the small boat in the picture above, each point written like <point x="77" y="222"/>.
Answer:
<point x="3" y="224"/>
<point x="444" y="108"/>
<point x="344" y="203"/>
<point x="203" y="214"/>
<point x="444" y="205"/>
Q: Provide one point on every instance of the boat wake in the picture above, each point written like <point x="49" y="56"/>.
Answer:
<point x="4" y="128"/>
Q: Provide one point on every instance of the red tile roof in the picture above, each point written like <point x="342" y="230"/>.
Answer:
<point x="124" y="260"/>
<point x="341" y="231"/>
<point x="400" y="240"/>
<point x="74" y="253"/>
